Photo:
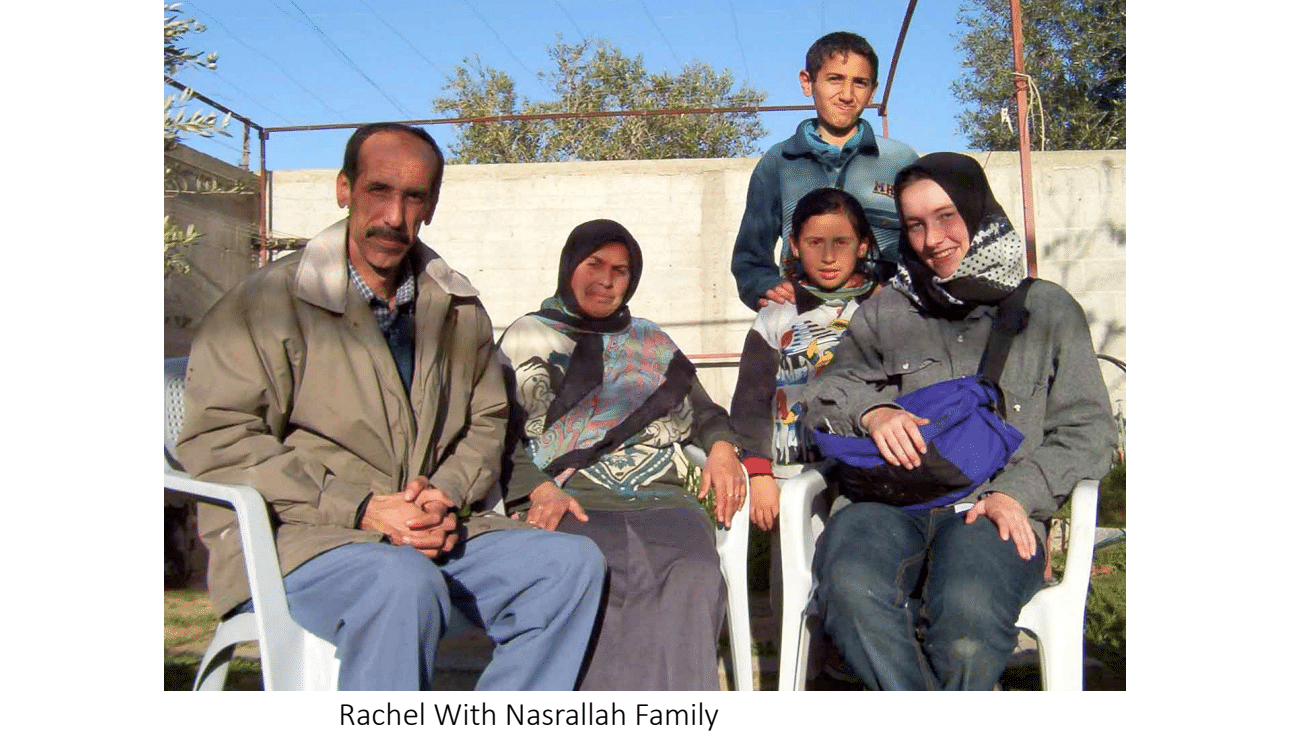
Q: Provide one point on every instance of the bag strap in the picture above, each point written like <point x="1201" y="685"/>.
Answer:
<point x="1010" y="320"/>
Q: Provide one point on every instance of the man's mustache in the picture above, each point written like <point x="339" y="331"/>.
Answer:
<point x="389" y="233"/>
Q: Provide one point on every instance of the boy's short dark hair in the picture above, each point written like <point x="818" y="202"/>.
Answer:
<point x="838" y="42"/>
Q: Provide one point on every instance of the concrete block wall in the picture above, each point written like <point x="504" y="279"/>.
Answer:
<point x="1081" y="236"/>
<point x="504" y="226"/>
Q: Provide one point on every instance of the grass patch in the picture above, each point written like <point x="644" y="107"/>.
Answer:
<point x="1106" y="628"/>
<point x="1112" y="511"/>
<point x="187" y="595"/>
<point x="180" y="671"/>
<point x="189" y="623"/>
<point x="188" y="619"/>
<point x="174" y="620"/>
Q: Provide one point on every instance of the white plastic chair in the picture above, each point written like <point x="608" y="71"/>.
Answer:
<point x="733" y="550"/>
<point x="291" y="658"/>
<point x="1054" y="615"/>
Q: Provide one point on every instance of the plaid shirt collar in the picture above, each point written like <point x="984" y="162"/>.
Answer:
<point x="383" y="314"/>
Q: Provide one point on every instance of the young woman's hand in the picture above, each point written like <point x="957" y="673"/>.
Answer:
<point x="548" y="504"/>
<point x="897" y="435"/>
<point x="1009" y="518"/>
<point x="764" y="501"/>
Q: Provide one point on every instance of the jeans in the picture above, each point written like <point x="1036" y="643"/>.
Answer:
<point x="385" y="607"/>
<point x="869" y="563"/>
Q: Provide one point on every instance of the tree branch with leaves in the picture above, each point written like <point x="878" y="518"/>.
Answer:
<point x="592" y="76"/>
<point x="1076" y="55"/>
<point x="180" y="122"/>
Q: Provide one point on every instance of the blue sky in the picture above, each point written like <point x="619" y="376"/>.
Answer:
<point x="305" y="62"/>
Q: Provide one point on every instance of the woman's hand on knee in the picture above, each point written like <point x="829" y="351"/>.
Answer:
<point x="548" y="504"/>
<point x="897" y="435"/>
<point x="1009" y="519"/>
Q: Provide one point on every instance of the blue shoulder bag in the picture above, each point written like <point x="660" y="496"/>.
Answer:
<point x="968" y="439"/>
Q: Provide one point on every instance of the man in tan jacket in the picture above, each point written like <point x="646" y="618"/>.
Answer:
<point x="355" y="386"/>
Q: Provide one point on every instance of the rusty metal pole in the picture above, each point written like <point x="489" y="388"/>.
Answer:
<point x="246" y="147"/>
<point x="894" y="62"/>
<point x="1024" y="138"/>
<point x="266" y="202"/>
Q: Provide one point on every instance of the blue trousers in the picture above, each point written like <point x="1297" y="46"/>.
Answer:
<point x="870" y="560"/>
<point x="385" y="607"/>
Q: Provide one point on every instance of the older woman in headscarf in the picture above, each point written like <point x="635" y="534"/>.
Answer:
<point x="928" y="599"/>
<point x="601" y="404"/>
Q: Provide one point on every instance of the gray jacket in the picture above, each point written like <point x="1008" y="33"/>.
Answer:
<point x="1053" y="387"/>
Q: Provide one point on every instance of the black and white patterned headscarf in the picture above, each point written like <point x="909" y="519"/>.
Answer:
<point x="995" y="262"/>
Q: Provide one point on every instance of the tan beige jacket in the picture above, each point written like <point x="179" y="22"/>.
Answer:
<point x="291" y="389"/>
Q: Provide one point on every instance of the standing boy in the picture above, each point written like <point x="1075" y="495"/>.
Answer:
<point x="836" y="149"/>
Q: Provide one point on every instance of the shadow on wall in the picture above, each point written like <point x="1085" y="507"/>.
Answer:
<point x="186" y="300"/>
<point x="1073" y="253"/>
<point x="1089" y="259"/>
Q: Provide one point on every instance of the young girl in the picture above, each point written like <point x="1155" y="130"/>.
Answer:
<point x="791" y="342"/>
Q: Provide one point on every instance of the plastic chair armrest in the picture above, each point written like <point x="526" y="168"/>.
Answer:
<point x="280" y="637"/>
<point x="798" y="536"/>
<point x="1082" y="531"/>
<point x="732" y="545"/>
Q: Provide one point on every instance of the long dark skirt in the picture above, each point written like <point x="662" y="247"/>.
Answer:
<point x="664" y="601"/>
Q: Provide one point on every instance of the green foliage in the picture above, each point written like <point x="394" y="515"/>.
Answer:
<point x="1111" y="508"/>
<point x="179" y="122"/>
<point x="1106" y="628"/>
<point x="1075" y="52"/>
<point x="594" y="75"/>
<point x="1112" y="511"/>
<point x="692" y="480"/>
<point x="177" y="57"/>
<point x="176" y="241"/>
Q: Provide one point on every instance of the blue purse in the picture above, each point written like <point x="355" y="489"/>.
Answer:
<point x="968" y="439"/>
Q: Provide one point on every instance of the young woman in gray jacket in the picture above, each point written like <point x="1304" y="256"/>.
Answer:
<point x="928" y="599"/>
